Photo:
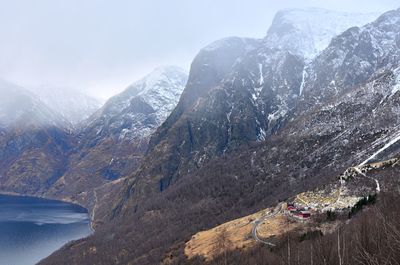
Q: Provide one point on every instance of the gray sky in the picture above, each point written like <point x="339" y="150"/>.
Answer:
<point x="102" y="46"/>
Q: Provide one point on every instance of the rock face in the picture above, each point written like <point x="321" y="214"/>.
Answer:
<point x="115" y="138"/>
<point x="259" y="121"/>
<point x="34" y="142"/>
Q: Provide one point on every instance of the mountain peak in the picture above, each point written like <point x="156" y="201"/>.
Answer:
<point x="20" y="107"/>
<point x="159" y="76"/>
<point x="74" y="105"/>
<point x="308" y="31"/>
<point x="144" y="105"/>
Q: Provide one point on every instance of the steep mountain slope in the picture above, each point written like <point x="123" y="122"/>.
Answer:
<point x="353" y="57"/>
<point x="252" y="100"/>
<point x="73" y="105"/>
<point x="34" y="142"/>
<point x="265" y="127"/>
<point x="113" y="142"/>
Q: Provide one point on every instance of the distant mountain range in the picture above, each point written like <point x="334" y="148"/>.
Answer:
<point x="20" y="107"/>
<point x="72" y="104"/>
<point x="87" y="153"/>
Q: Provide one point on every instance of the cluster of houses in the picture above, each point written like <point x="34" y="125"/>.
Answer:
<point x="301" y="213"/>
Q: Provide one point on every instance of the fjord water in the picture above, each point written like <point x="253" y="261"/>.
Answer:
<point x="33" y="228"/>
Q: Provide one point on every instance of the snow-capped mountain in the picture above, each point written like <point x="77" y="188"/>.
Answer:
<point x="115" y="138"/>
<point x="257" y="88"/>
<point x="21" y="108"/>
<point x="307" y="32"/>
<point x="72" y="104"/>
<point x="260" y="91"/>
<point x="354" y="57"/>
<point x="143" y="106"/>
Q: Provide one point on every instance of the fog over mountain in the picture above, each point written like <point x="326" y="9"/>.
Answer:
<point x="20" y="107"/>
<point x="74" y="105"/>
<point x="100" y="47"/>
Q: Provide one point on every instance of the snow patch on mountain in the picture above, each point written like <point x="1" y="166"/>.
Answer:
<point x="21" y="108"/>
<point x="396" y="86"/>
<point x="307" y="32"/>
<point x="162" y="89"/>
<point x="72" y="104"/>
<point x="143" y="106"/>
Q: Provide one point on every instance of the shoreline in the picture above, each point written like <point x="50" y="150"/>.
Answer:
<point x="11" y="193"/>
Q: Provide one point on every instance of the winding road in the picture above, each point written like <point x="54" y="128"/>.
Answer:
<point x="92" y="215"/>
<point x="278" y="208"/>
<point x="260" y="220"/>
<point x="378" y="187"/>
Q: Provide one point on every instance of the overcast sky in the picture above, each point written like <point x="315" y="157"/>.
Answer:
<point x="102" y="46"/>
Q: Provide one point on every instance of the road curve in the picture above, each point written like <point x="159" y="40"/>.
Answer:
<point x="257" y="222"/>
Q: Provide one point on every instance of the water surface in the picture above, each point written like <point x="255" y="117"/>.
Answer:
<point x="32" y="228"/>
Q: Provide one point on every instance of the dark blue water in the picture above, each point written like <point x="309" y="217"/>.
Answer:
<point x="32" y="228"/>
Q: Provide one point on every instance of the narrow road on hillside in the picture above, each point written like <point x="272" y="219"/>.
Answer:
<point x="394" y="140"/>
<point x="260" y="220"/>
<point x="378" y="187"/>
<point x="93" y="210"/>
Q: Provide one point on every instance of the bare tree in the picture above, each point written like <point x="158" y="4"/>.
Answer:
<point x="338" y="246"/>
<point x="223" y="244"/>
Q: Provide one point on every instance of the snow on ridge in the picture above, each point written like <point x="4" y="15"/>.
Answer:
<point x="396" y="86"/>
<point x="160" y="81"/>
<point x="72" y="104"/>
<point x="307" y="32"/>
<point x="20" y="107"/>
<point x="144" y="105"/>
<point x="161" y="88"/>
<point x="384" y="33"/>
